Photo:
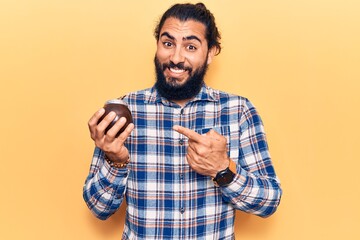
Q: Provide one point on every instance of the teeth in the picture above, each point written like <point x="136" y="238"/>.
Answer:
<point x="177" y="70"/>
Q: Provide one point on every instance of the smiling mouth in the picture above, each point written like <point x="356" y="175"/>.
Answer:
<point x="176" y="70"/>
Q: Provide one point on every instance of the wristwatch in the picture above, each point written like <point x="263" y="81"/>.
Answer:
<point x="224" y="177"/>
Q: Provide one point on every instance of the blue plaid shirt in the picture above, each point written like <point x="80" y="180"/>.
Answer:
<point x="165" y="198"/>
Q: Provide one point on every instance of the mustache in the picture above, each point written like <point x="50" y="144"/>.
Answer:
<point x="180" y="65"/>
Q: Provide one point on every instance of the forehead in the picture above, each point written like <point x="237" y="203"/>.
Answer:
<point x="182" y="29"/>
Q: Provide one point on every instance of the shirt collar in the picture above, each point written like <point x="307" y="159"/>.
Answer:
<point x="206" y="94"/>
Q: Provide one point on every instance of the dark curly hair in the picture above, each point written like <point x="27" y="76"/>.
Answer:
<point x="197" y="12"/>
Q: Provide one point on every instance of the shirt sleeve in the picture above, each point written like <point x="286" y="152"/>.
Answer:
<point x="105" y="186"/>
<point x="255" y="188"/>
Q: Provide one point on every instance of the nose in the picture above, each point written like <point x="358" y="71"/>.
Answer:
<point x="177" y="56"/>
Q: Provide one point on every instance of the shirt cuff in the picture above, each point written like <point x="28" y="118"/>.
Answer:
<point x="237" y="186"/>
<point x="114" y="175"/>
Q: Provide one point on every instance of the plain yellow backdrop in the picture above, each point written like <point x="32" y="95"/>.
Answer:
<point x="297" y="61"/>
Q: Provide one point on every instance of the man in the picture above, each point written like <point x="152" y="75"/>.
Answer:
<point x="193" y="154"/>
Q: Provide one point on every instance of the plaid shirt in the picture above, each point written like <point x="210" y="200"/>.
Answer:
<point x="165" y="198"/>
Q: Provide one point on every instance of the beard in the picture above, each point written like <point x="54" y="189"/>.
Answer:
<point x="172" y="91"/>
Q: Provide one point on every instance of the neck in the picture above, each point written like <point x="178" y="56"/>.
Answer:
<point x="181" y="103"/>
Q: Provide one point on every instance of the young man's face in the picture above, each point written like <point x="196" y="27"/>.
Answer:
<point x="182" y="56"/>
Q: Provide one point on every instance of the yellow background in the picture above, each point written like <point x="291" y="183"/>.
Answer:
<point x="297" y="61"/>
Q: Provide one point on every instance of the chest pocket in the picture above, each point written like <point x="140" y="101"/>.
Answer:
<point x="232" y="135"/>
<point x="222" y="130"/>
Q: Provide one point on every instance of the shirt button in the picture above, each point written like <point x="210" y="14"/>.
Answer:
<point x="182" y="210"/>
<point x="181" y="141"/>
<point x="181" y="176"/>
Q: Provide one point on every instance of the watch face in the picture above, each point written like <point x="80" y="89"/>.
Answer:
<point x="224" y="177"/>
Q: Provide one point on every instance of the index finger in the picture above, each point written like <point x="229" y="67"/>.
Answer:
<point x="188" y="133"/>
<point x="95" y="118"/>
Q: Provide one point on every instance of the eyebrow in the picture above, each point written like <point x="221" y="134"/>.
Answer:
<point x="191" y="37"/>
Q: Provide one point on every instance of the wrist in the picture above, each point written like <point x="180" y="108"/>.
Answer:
<point x="222" y="167"/>
<point x="116" y="164"/>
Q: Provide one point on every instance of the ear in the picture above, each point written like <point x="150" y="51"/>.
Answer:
<point x="211" y="54"/>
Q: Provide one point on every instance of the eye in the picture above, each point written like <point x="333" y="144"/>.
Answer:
<point x="191" y="48"/>
<point x="167" y="44"/>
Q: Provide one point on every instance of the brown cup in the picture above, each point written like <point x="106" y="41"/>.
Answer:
<point x="120" y="108"/>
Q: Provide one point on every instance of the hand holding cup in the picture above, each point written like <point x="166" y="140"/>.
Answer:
<point x="121" y="110"/>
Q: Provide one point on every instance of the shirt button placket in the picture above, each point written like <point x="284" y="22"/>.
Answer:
<point x="181" y="174"/>
<point x="182" y="210"/>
